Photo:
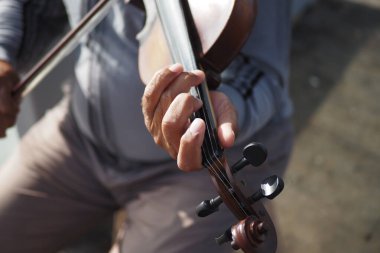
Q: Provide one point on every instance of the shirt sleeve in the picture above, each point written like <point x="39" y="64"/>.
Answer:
<point x="11" y="28"/>
<point x="256" y="93"/>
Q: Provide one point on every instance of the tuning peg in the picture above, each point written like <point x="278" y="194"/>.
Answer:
<point x="254" y="154"/>
<point x="208" y="207"/>
<point x="246" y="235"/>
<point x="225" y="237"/>
<point x="270" y="188"/>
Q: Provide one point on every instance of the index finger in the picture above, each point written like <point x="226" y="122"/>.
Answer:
<point x="160" y="81"/>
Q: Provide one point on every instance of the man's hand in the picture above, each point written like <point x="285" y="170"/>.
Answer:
<point x="9" y="105"/>
<point x="167" y="107"/>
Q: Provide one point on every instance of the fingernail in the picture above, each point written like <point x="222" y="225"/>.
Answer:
<point x="199" y="73"/>
<point x="198" y="104"/>
<point x="176" y="68"/>
<point x="228" y="134"/>
<point x="195" y="127"/>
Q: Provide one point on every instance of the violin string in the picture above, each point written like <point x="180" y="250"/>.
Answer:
<point x="217" y="160"/>
<point x="215" y="171"/>
<point x="212" y="153"/>
<point x="210" y="134"/>
<point x="214" y="139"/>
<point x="215" y="144"/>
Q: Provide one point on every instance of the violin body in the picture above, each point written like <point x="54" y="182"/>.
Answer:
<point x="216" y="24"/>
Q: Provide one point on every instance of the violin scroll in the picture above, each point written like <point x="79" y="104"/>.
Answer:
<point x="245" y="235"/>
<point x="255" y="230"/>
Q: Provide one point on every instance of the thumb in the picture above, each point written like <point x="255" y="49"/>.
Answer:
<point x="226" y="118"/>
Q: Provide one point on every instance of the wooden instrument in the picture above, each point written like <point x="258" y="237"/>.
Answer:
<point x="206" y="35"/>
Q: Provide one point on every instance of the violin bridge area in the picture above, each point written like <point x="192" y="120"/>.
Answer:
<point x="331" y="200"/>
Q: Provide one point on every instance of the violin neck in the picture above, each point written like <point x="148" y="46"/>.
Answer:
<point x="184" y="45"/>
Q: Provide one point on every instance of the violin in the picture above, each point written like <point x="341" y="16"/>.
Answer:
<point x="205" y="35"/>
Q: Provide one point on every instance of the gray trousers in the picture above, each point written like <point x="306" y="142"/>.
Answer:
<point x="57" y="185"/>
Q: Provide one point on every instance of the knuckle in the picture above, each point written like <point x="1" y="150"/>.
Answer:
<point x="183" y="166"/>
<point x="153" y="127"/>
<point x="160" y="76"/>
<point x="166" y="97"/>
<point x="155" y="131"/>
<point x="168" y="123"/>
<point x="164" y="104"/>
<point x="147" y="122"/>
<point x="186" y="98"/>
<point x="148" y="94"/>
<point x="186" y="140"/>
<point x="145" y="110"/>
<point x="188" y="167"/>
<point x="191" y="78"/>
<point x="173" y="154"/>
<point x="227" y="106"/>
<point x="158" y="140"/>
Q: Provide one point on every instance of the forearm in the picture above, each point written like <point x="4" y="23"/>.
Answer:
<point x="11" y="28"/>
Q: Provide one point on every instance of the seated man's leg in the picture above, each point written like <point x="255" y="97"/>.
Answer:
<point x="49" y="195"/>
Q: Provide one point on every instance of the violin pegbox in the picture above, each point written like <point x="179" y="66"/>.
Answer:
<point x="246" y="235"/>
<point x="256" y="154"/>
<point x="250" y="232"/>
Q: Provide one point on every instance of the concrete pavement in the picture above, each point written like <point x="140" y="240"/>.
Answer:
<point x="331" y="201"/>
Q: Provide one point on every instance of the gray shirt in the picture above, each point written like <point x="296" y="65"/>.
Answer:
<point x="106" y="103"/>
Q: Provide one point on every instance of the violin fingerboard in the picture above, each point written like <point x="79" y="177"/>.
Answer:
<point x="175" y="17"/>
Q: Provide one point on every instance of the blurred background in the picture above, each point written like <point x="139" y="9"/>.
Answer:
<point x="331" y="201"/>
